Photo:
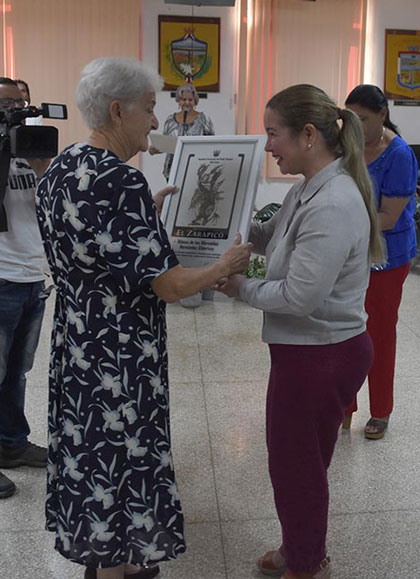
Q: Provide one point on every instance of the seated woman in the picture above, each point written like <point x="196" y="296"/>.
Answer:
<point x="112" y="498"/>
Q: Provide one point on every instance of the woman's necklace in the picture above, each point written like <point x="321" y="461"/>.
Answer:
<point x="378" y="144"/>
<point x="374" y="150"/>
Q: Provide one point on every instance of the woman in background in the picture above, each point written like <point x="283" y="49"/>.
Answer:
<point x="393" y="169"/>
<point x="186" y="122"/>
<point x="319" y="247"/>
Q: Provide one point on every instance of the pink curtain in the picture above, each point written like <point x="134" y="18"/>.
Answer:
<point x="48" y="42"/>
<point x="286" y="42"/>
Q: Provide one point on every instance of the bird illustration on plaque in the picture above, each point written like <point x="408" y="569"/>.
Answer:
<point x="210" y="186"/>
<point x="216" y="178"/>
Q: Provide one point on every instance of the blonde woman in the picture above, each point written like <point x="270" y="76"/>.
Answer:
<point x="319" y="248"/>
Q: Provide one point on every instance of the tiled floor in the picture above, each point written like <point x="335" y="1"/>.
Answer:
<point x="218" y="370"/>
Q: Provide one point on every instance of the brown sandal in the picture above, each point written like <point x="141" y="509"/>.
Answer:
<point x="272" y="563"/>
<point x="379" y="427"/>
<point x="324" y="570"/>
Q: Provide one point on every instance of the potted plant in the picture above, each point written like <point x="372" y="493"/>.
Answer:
<point x="256" y="266"/>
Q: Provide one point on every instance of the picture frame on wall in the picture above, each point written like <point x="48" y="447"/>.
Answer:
<point x="189" y="51"/>
<point x="217" y="179"/>
<point x="402" y="64"/>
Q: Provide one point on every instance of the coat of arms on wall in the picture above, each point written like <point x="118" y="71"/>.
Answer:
<point x="402" y="64"/>
<point x="189" y="51"/>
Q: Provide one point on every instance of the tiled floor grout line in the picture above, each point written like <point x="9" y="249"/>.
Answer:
<point x="211" y="448"/>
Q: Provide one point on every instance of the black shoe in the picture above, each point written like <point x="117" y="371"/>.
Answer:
<point x="144" y="573"/>
<point x="27" y="455"/>
<point x="7" y="486"/>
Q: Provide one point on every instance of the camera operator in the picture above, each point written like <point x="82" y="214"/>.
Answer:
<point x="24" y="89"/>
<point x="22" y="303"/>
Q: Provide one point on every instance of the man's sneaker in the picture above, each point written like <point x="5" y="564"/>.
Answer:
<point x="7" y="486"/>
<point x="27" y="455"/>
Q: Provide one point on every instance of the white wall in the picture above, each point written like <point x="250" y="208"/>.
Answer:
<point x="399" y="14"/>
<point x="219" y="106"/>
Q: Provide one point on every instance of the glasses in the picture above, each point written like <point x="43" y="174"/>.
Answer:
<point x="7" y="103"/>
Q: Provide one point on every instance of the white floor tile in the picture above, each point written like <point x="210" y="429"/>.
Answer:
<point x="218" y="374"/>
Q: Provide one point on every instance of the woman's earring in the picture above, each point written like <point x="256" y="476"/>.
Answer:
<point x="309" y="145"/>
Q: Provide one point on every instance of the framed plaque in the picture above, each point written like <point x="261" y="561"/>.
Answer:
<point x="217" y="178"/>
<point x="402" y="64"/>
<point x="189" y="51"/>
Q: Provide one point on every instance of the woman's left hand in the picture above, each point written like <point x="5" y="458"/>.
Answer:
<point x="159" y="198"/>
<point x="230" y="285"/>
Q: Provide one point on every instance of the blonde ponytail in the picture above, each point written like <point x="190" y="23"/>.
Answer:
<point x="304" y="103"/>
<point x="352" y="144"/>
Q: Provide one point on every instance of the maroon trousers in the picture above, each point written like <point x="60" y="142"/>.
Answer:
<point x="383" y="299"/>
<point x="309" y="389"/>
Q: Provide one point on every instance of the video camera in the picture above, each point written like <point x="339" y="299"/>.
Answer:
<point x="30" y="142"/>
<point x="26" y="142"/>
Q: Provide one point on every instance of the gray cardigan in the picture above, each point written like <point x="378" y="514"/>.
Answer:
<point x="317" y="250"/>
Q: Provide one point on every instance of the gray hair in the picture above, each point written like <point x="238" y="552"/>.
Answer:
<point x="112" y="78"/>
<point x="186" y="88"/>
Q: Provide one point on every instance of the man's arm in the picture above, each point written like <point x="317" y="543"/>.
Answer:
<point x="39" y="166"/>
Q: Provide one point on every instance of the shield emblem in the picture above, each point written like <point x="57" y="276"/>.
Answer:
<point x="189" y="55"/>
<point x="409" y="70"/>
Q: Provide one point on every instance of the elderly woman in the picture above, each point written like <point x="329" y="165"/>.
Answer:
<point x="187" y="121"/>
<point x="112" y="497"/>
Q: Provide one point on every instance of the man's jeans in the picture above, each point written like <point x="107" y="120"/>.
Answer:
<point x="21" y="310"/>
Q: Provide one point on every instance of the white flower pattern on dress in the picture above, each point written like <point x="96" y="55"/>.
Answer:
<point x="111" y="479"/>
<point x="104" y="240"/>
<point x="83" y="174"/>
<point x="71" y="466"/>
<point x="71" y="213"/>
<point x="112" y="383"/>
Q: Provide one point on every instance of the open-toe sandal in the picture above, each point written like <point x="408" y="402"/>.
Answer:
<point x="324" y="570"/>
<point x="376" y="427"/>
<point x="272" y="563"/>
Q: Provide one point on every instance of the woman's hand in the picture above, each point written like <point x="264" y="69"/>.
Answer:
<point x="237" y="256"/>
<point x="180" y="282"/>
<point x="153" y="150"/>
<point x="159" y="198"/>
<point x="230" y="285"/>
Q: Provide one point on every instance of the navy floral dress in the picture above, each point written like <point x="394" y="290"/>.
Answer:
<point x="111" y="496"/>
